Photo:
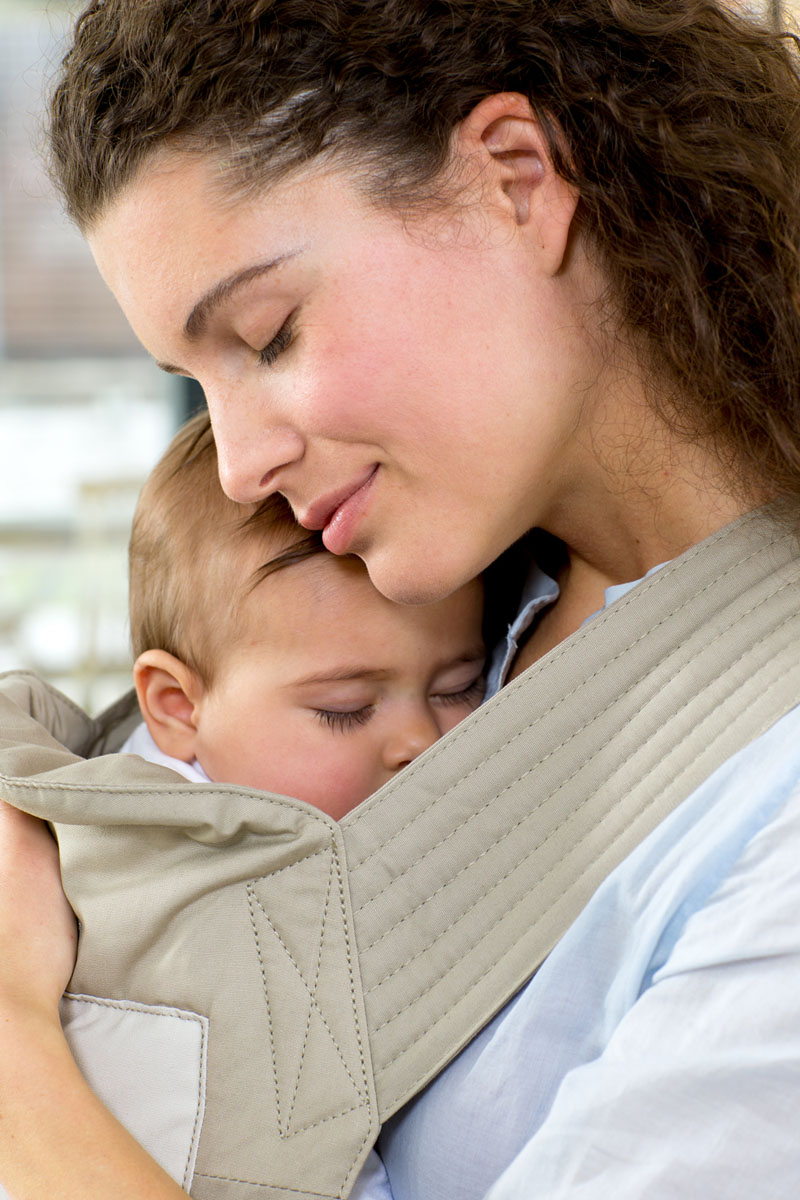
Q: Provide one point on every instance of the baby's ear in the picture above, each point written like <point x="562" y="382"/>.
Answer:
<point x="169" y="693"/>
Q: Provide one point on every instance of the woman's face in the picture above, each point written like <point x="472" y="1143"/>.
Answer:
<point x="416" y="390"/>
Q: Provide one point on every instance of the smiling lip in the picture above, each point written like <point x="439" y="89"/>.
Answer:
<point x="338" y="513"/>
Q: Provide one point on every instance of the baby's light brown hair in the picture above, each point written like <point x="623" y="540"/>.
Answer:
<point x="195" y="555"/>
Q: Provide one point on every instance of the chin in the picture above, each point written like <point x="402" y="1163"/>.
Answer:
<point x="428" y="583"/>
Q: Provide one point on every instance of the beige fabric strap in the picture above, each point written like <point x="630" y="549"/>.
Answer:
<point x="341" y="966"/>
<point x="466" y="871"/>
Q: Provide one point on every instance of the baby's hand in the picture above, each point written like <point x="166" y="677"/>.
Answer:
<point x="38" y="934"/>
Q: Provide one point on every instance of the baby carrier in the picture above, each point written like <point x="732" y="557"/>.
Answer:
<point x="318" y="974"/>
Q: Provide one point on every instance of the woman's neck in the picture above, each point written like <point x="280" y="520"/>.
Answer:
<point x="619" y="519"/>
<point x="584" y="579"/>
<point x="634" y="492"/>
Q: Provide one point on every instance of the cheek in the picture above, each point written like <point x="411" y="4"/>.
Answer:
<point x="341" y="778"/>
<point x="356" y="383"/>
<point x="374" y="341"/>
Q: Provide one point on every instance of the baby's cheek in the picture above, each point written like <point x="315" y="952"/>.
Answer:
<point x="343" y="782"/>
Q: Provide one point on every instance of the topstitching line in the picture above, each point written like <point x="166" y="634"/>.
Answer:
<point x="507" y="694"/>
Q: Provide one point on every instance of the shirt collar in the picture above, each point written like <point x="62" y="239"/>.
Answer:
<point x="538" y="591"/>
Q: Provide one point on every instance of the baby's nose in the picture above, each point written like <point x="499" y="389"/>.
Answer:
<point x="416" y="733"/>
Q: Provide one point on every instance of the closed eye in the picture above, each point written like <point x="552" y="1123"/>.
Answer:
<point x="472" y="694"/>
<point x="281" y="341"/>
<point x="344" y="721"/>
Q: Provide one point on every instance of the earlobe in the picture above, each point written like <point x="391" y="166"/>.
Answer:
<point x="504" y="136"/>
<point x="169" y="693"/>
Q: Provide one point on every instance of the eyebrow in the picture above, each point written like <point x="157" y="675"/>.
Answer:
<point x="342" y="676"/>
<point x="198" y="318"/>
<point x="351" y="673"/>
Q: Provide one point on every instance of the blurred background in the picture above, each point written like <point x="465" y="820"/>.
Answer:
<point x="84" y="413"/>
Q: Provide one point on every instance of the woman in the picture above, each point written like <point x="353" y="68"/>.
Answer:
<point x="447" y="273"/>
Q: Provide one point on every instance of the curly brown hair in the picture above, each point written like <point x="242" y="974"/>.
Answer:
<point x="677" y="120"/>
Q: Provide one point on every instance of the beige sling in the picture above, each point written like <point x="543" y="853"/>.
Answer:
<point x="340" y="967"/>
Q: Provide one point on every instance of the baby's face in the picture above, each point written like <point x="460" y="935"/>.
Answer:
<point x="334" y="688"/>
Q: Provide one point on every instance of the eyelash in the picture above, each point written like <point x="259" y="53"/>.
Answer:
<point x="282" y="340"/>
<point x="475" y="691"/>
<point x="345" y="721"/>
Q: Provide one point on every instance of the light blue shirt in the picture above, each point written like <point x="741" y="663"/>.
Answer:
<point x="656" y="1054"/>
<point x="538" y="591"/>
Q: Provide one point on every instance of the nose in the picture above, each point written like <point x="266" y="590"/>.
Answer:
<point x="415" y="733"/>
<point x="251" y="451"/>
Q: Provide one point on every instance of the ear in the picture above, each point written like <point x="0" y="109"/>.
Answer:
<point x="169" y="694"/>
<point x="504" y="138"/>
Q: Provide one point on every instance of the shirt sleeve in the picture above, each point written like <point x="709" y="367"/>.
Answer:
<point x="696" y="1092"/>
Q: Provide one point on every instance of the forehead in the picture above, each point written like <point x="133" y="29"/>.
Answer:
<point x="303" y="602"/>
<point x="330" y="602"/>
<point x="174" y="232"/>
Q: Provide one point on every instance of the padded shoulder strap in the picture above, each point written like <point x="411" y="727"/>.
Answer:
<point x="341" y="966"/>
<point x="466" y="871"/>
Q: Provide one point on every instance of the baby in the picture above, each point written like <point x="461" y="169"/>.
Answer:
<point x="263" y="660"/>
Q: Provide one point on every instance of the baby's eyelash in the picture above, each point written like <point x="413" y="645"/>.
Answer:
<point x="474" y="692"/>
<point x="279" y="343"/>
<point x="344" y="720"/>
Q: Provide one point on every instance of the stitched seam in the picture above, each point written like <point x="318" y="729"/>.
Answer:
<point x="313" y="995"/>
<point x="88" y="722"/>
<point x="507" y="694"/>
<point x="275" y="1186"/>
<point x="351" y="975"/>
<point x="197" y="1121"/>
<point x="140" y="789"/>
<point x="250" y="903"/>
<point x="642" y="589"/>
<point x="318" y="1010"/>
<point x="288" y="867"/>
<point x="195" y="1018"/>
<point x="271" y="1031"/>
<point x="200" y="1090"/>
<point x="477" y="812"/>
<point x="658" y="766"/>
<point x="324" y="1120"/>
<point x="471" y="987"/>
<point x="135" y="1006"/>
<point x="364" y="1096"/>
